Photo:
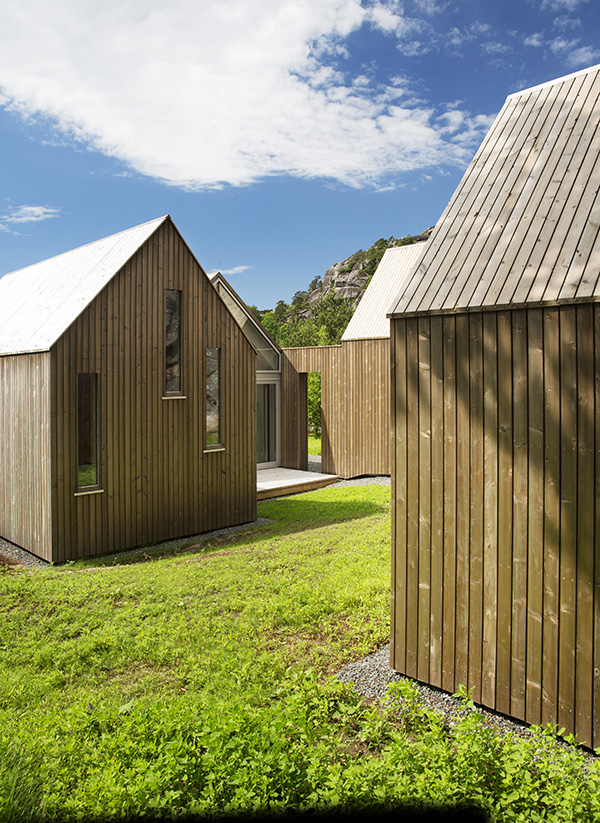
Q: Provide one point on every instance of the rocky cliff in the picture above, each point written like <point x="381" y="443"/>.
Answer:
<point x="349" y="278"/>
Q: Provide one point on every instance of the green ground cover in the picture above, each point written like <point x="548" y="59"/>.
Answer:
<point x="198" y="680"/>
<point x="314" y="445"/>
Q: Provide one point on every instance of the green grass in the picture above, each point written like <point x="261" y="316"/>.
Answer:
<point x="314" y="445"/>
<point x="197" y="680"/>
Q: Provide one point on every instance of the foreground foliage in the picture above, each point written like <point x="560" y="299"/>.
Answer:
<point x="199" y="681"/>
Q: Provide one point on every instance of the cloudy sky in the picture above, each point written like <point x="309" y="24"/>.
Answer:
<point x="280" y="135"/>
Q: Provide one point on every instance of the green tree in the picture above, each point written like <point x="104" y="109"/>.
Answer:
<point x="256" y="313"/>
<point x="314" y="403"/>
<point x="281" y="309"/>
<point x="333" y="314"/>
<point x="269" y="322"/>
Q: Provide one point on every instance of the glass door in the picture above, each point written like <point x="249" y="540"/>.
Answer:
<point x="267" y="424"/>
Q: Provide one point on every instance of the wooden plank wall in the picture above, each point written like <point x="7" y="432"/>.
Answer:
<point x="355" y="403"/>
<point x="294" y="416"/>
<point x="158" y="481"/>
<point x="496" y="528"/>
<point x="25" y="511"/>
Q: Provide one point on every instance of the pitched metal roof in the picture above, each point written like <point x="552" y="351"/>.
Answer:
<point x="369" y="320"/>
<point x="522" y="228"/>
<point x="40" y="302"/>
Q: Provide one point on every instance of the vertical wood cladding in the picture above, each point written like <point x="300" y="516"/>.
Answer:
<point x="355" y="381"/>
<point x="496" y="528"/>
<point x="25" y="509"/>
<point x="294" y="416"/>
<point x="157" y="479"/>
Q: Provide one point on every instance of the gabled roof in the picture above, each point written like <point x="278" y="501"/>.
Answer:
<point x="40" y="302"/>
<point x="522" y="228"/>
<point x="369" y="320"/>
<point x="267" y="349"/>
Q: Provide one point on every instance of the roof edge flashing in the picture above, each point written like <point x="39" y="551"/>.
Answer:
<point x="549" y="83"/>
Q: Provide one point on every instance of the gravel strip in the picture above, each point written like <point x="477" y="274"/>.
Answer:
<point x="12" y="555"/>
<point x="366" y="480"/>
<point x="314" y="465"/>
<point x="371" y="676"/>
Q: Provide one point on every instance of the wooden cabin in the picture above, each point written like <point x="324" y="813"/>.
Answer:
<point x="127" y="399"/>
<point x="495" y="351"/>
<point x="268" y="376"/>
<point x="355" y="381"/>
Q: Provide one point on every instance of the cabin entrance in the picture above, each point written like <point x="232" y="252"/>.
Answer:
<point x="268" y="415"/>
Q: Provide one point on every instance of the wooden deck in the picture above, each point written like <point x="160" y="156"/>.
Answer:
<point x="279" y="482"/>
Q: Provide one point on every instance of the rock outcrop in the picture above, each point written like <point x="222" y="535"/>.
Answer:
<point x="349" y="278"/>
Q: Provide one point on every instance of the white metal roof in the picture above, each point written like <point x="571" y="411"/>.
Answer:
<point x="369" y="320"/>
<point x="521" y="229"/>
<point x="40" y="302"/>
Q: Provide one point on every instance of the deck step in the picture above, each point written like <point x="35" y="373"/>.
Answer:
<point x="278" y="482"/>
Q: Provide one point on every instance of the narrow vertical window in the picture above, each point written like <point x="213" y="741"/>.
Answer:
<point x="213" y="396"/>
<point x="87" y="430"/>
<point x="173" y="341"/>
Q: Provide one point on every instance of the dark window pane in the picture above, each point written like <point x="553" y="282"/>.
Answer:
<point x="266" y="406"/>
<point x="213" y="396"/>
<point x="87" y="430"/>
<point x="173" y="340"/>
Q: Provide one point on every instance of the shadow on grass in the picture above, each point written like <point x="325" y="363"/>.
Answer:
<point x="306" y="514"/>
<point x="279" y="517"/>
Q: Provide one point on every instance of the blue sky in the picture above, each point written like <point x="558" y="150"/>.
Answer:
<point x="280" y="135"/>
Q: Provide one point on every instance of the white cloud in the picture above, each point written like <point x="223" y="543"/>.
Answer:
<point x="495" y="48"/>
<point x="563" y="23"/>
<point x="536" y="40"/>
<point x="25" y="214"/>
<point x="206" y="94"/>
<point x="29" y="214"/>
<point x="457" y="37"/>
<point x="562" y="5"/>
<point x="582" y="57"/>
<point x="228" y="272"/>
<point x="431" y="7"/>
<point x="575" y="56"/>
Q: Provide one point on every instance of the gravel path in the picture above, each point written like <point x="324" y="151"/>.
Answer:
<point x="314" y="465"/>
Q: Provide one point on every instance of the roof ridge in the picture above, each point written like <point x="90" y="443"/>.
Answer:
<point x="157" y="220"/>
<point x="548" y="83"/>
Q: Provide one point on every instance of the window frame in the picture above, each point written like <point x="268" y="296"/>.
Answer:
<point x="173" y="392"/>
<point x="218" y="446"/>
<point x="94" y="426"/>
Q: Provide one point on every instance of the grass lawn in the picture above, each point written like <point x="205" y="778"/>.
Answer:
<point x="314" y="445"/>
<point x="199" y="681"/>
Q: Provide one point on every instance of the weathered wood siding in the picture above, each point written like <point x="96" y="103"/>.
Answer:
<point x="25" y="511"/>
<point x="355" y="403"/>
<point x="157" y="479"/>
<point x="496" y="528"/>
<point x="294" y="416"/>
